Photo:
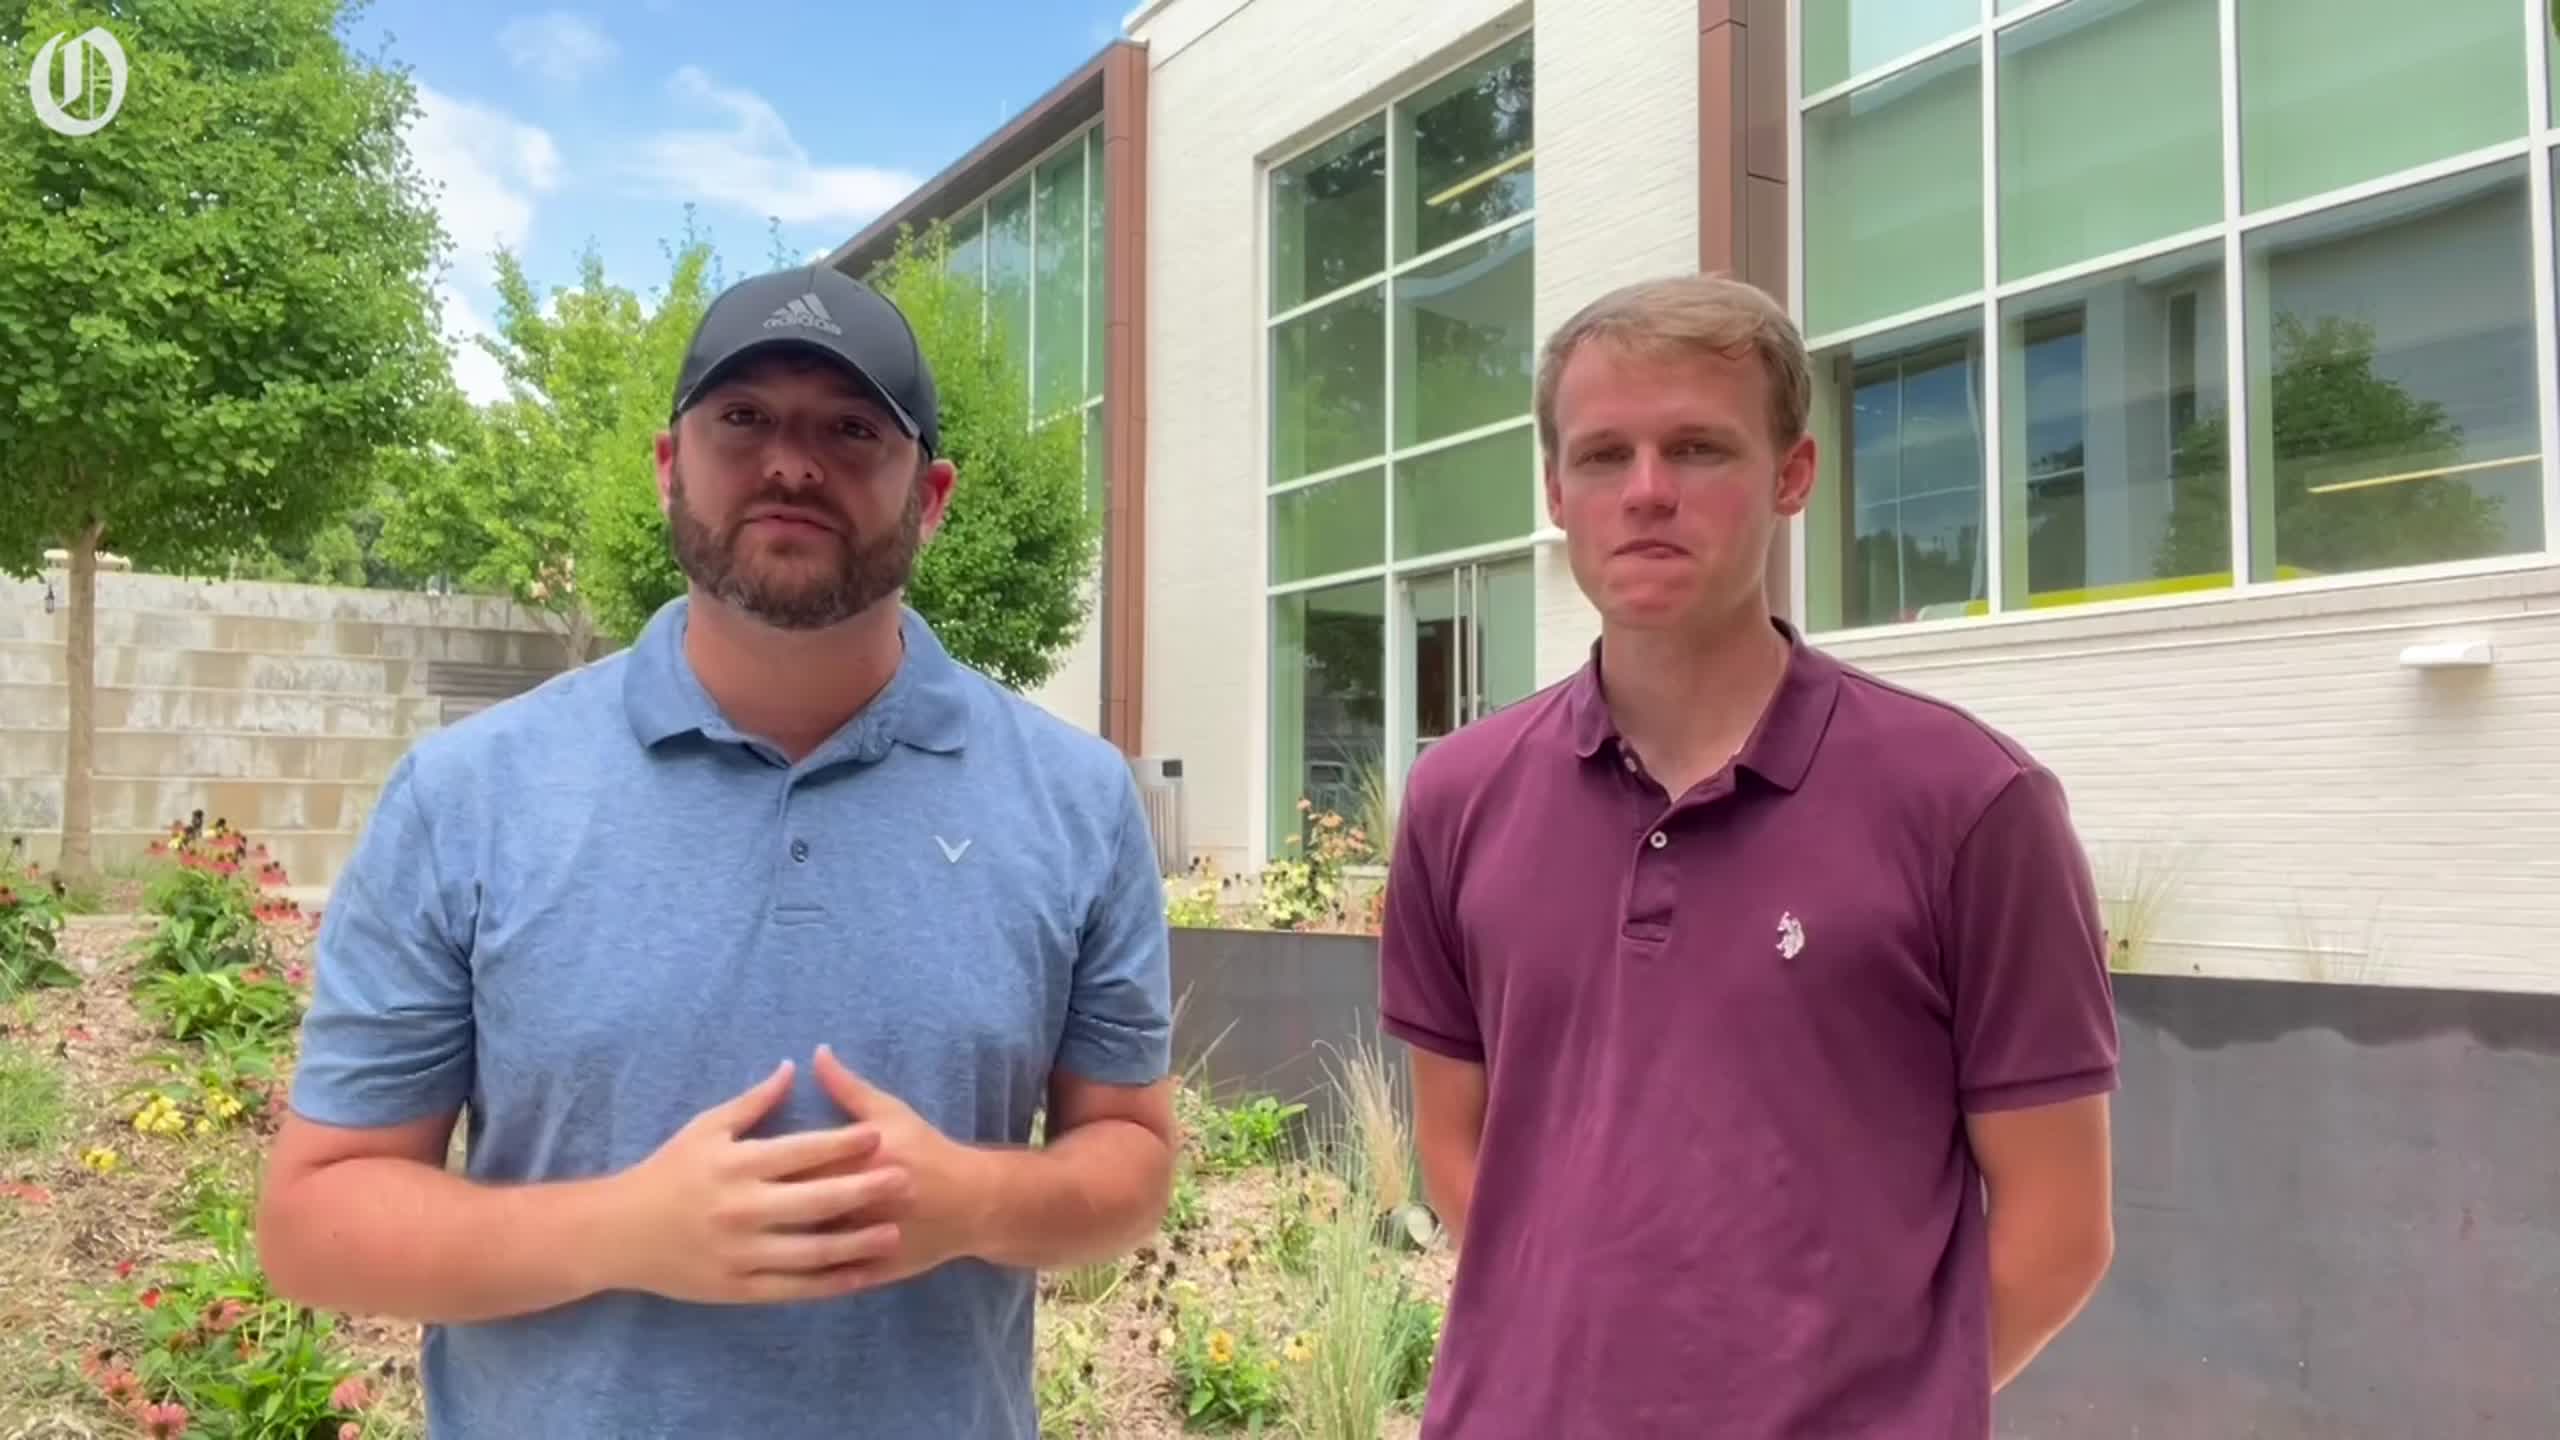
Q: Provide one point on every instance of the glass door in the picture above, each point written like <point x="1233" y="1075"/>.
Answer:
<point x="1469" y="647"/>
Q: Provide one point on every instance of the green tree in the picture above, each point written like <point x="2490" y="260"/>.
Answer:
<point x="2333" y="420"/>
<point x="1004" y="582"/>
<point x="215" y="311"/>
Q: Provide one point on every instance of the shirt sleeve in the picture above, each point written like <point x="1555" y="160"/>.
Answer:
<point x="1120" y="1008"/>
<point x="1423" y="998"/>
<point x="388" y="1037"/>
<point x="2034" y="1005"/>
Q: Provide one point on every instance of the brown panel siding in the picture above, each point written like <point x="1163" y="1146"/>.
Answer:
<point x="1742" y="169"/>
<point x="1124" y="402"/>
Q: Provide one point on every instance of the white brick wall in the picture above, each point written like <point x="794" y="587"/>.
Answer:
<point x="1617" y="200"/>
<point x="1237" y="82"/>
<point x="2330" y="813"/>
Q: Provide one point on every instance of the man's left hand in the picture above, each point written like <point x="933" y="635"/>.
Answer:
<point x="938" y="1218"/>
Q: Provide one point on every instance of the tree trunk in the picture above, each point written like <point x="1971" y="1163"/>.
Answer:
<point x="80" y="669"/>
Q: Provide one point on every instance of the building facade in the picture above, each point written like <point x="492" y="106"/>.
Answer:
<point x="2186" y="396"/>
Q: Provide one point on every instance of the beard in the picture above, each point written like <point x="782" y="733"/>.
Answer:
<point x="795" y="591"/>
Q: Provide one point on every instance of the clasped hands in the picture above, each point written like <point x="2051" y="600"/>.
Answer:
<point x="715" y="1217"/>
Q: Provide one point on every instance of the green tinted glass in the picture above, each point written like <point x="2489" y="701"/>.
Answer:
<point x="2110" y="129"/>
<point x="1466" y="339"/>
<point x="1328" y="700"/>
<point x="1466" y="495"/>
<point x="1842" y="38"/>
<point x="1328" y="386"/>
<point x="2333" y="92"/>
<point x="1329" y="216"/>
<point x="1893" y="199"/>
<point x="1009" y="277"/>
<point x="2114" y="475"/>
<point x="1894" y="532"/>
<point x="1328" y="527"/>
<point x="1058" y="330"/>
<point x="1463" y="148"/>
<point x="2391" y="363"/>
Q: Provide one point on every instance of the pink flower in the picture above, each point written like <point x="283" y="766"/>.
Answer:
<point x="165" y="1421"/>
<point x="352" y="1394"/>
<point x="224" y="1316"/>
<point x="350" y="1431"/>
<point x="294" y="974"/>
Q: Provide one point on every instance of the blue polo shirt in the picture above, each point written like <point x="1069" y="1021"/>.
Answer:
<point x="594" y="911"/>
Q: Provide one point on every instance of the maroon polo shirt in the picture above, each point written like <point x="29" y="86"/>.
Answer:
<point x="1730" y="1043"/>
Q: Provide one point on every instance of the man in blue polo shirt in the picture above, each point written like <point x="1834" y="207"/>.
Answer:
<point x="752" y="952"/>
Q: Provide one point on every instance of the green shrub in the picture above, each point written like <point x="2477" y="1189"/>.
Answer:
<point x="31" y="1110"/>
<point x="1243" y="1136"/>
<point x="213" y="1339"/>
<point x="31" y="937"/>
<point x="225" y="1007"/>
<point x="208" y="923"/>
<point x="1224" y="1380"/>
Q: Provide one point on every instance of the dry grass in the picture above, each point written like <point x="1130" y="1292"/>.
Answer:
<point x="2137" y="888"/>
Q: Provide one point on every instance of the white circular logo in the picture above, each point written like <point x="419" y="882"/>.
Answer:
<point x="54" y="100"/>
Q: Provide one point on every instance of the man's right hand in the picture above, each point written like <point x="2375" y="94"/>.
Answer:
<point x="716" y="1218"/>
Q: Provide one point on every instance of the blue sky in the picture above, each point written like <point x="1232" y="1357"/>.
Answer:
<point x="548" y="128"/>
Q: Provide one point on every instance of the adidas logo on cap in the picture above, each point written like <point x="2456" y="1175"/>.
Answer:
<point x="805" y="311"/>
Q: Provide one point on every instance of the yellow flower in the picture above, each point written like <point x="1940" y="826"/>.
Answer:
<point x="204" y="1125"/>
<point x="1298" y="1350"/>
<point x="1222" y="1348"/>
<point x="99" y="1159"/>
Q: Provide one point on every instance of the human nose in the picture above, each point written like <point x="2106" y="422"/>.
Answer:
<point x="1650" y="484"/>
<point x="791" y="457"/>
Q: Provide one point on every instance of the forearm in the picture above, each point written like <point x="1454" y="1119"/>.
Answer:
<point x="2037" y="1287"/>
<point x="1094" y="1192"/>
<point x="381" y="1236"/>
<point x="1449" y="1183"/>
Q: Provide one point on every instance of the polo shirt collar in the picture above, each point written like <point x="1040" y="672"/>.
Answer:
<point x="925" y="705"/>
<point x="1781" y="746"/>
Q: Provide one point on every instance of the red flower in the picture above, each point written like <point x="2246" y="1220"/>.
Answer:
<point x="151" y="1298"/>
<point x="254" y="975"/>
<point x="124" y="1269"/>
<point x="31" y="1194"/>
<point x="164" y="1422"/>
<point x="225" y="1316"/>
<point x="77" y="1032"/>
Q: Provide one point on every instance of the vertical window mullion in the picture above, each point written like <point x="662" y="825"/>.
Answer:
<point x="1392" y="649"/>
<point x="1994" y="492"/>
<point x="2546" y="306"/>
<point x="2239" y="403"/>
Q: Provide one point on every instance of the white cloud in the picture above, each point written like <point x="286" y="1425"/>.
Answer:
<point x="557" y="46"/>
<point x="487" y="168"/>
<point x="488" y="171"/>
<point x="475" y="371"/>
<point x="751" y="163"/>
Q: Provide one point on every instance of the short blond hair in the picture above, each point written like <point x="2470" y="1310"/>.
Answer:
<point x="1689" y="314"/>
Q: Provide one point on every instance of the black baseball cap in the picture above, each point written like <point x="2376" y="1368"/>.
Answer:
<point x="824" y="311"/>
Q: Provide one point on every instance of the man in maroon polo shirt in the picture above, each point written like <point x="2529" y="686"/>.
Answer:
<point x="1759" y="1011"/>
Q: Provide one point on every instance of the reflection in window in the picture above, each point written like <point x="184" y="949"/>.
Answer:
<point x="1328" y="527"/>
<point x="1467" y="152"/>
<point x="2390" y="364"/>
<point x="1328" y="691"/>
<point x="1842" y="38"/>
<point x="1328" y="387"/>
<point x="1466" y="343"/>
<point x="1893" y="194"/>
<point x="1057" y="380"/>
<point x="1009" y="273"/>
<point x="2106" y="380"/>
<point x="1328" y="216"/>
<point x="1900" y="535"/>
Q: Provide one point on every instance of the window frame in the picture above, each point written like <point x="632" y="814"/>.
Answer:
<point x="1390" y="572"/>
<point x="2539" y="147"/>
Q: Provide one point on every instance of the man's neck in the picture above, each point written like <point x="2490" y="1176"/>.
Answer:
<point x="792" y="687"/>
<point x="1686" y="700"/>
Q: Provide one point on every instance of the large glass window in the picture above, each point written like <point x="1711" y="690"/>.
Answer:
<point x="2227" y="307"/>
<point x="1402" y="356"/>
<point x="1036" y="246"/>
